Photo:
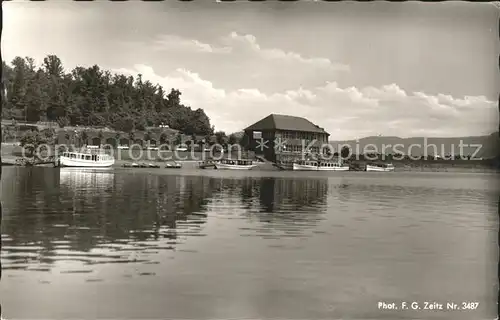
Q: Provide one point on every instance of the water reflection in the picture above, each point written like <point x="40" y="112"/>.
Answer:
<point x="291" y="205"/>
<point x="101" y="216"/>
<point x="225" y="245"/>
<point x="96" y="217"/>
<point x="93" y="180"/>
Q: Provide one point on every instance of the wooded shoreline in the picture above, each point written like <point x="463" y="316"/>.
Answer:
<point x="154" y="156"/>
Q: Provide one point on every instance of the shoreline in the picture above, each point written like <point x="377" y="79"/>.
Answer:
<point x="193" y="165"/>
<point x="11" y="152"/>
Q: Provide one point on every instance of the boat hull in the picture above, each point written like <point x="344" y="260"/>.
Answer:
<point x="284" y="166"/>
<point x="173" y="167"/>
<point x="301" y="167"/>
<point x="378" y="169"/>
<point x="223" y="166"/>
<point x="81" y="163"/>
<point x="207" y="165"/>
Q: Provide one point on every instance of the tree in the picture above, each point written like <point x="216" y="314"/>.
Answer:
<point x="131" y="137"/>
<point x="163" y="138"/>
<point x="178" y="139"/>
<point x="220" y="137"/>
<point x="34" y="143"/>
<point x="100" y="136"/>
<point x="232" y="139"/>
<point x="53" y="66"/>
<point x="85" y="137"/>
<point x="207" y="139"/>
<point x="90" y="96"/>
<point x="63" y="122"/>
<point x="345" y="152"/>
<point x="118" y="136"/>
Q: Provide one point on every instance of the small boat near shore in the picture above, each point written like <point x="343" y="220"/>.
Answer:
<point x="207" y="164"/>
<point x="87" y="158"/>
<point x="131" y="165"/>
<point x="284" y="165"/>
<point x="314" y="165"/>
<point x="173" y="165"/>
<point x="385" y="167"/>
<point x="141" y="165"/>
<point x="237" y="164"/>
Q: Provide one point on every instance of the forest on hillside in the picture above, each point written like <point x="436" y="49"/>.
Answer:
<point x="93" y="97"/>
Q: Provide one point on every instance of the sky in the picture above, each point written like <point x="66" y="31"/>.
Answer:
<point x="356" y="69"/>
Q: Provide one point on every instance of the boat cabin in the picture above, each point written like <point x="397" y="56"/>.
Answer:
<point x="330" y="164"/>
<point x="327" y="164"/>
<point x="88" y="157"/>
<point x="209" y="162"/>
<point x="307" y="163"/>
<point x="383" y="165"/>
<point x="237" y="162"/>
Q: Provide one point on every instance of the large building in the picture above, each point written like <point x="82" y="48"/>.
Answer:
<point x="284" y="138"/>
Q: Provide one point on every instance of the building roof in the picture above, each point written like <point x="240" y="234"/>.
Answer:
<point x="285" y="122"/>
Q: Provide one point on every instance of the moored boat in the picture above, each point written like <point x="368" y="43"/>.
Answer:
<point x="315" y="165"/>
<point x="173" y="165"/>
<point x="389" y="167"/>
<point x="88" y="158"/>
<point x="236" y="164"/>
<point x="284" y="165"/>
<point x="207" y="164"/>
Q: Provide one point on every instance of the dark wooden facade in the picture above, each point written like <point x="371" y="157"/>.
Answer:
<point x="285" y="138"/>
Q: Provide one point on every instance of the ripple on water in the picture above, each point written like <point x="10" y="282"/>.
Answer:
<point x="324" y="235"/>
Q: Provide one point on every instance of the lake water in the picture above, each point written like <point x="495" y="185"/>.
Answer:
<point x="154" y="244"/>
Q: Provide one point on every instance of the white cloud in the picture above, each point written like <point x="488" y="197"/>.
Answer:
<point x="387" y="92"/>
<point x="237" y="44"/>
<point x="173" y="42"/>
<point x="344" y="112"/>
<point x="250" y="42"/>
<point x="235" y="61"/>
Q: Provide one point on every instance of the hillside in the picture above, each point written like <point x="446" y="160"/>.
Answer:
<point x="93" y="97"/>
<point x="487" y="146"/>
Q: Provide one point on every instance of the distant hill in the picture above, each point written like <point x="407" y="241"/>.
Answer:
<point x="488" y="145"/>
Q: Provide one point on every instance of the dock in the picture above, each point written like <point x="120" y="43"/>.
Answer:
<point x="8" y="160"/>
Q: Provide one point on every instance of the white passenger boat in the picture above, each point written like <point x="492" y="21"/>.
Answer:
<point x="284" y="165"/>
<point x="314" y="165"/>
<point x="380" y="167"/>
<point x="241" y="164"/>
<point x="89" y="158"/>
